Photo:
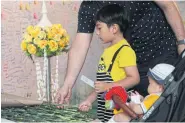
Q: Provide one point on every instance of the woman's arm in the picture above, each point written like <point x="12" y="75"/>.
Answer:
<point x="76" y="58"/>
<point x="77" y="55"/>
<point x="174" y="19"/>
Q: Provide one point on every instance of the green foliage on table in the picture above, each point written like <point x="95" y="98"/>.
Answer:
<point x="46" y="113"/>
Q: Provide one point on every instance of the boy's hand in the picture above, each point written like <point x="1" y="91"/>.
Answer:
<point x="85" y="106"/>
<point x="100" y="86"/>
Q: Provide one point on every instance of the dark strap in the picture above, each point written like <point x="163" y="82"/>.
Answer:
<point x="114" y="57"/>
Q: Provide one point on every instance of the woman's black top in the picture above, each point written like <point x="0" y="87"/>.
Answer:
<point x="149" y="33"/>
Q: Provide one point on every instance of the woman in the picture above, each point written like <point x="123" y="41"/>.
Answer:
<point x="155" y="29"/>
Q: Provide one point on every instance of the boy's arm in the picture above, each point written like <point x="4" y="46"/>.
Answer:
<point x="127" y="61"/>
<point x="136" y="108"/>
<point x="92" y="97"/>
<point x="131" y="80"/>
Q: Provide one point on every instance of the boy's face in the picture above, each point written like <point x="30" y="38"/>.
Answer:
<point x="104" y="32"/>
<point x="154" y="87"/>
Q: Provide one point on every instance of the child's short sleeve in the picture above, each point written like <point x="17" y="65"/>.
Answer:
<point x="127" y="57"/>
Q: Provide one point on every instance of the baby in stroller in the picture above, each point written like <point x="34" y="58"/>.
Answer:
<point x="163" y="79"/>
<point x="156" y="76"/>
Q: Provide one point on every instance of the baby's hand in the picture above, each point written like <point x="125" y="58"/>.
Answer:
<point x="136" y="94"/>
<point x="85" y="106"/>
<point x="135" y="97"/>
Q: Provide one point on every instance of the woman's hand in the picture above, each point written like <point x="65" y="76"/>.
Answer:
<point x="63" y="95"/>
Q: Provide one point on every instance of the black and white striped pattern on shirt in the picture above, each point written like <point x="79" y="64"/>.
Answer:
<point x="103" y="114"/>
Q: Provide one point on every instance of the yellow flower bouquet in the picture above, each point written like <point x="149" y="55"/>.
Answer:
<point x="53" y="39"/>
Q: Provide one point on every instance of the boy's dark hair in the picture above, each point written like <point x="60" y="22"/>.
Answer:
<point x="113" y="14"/>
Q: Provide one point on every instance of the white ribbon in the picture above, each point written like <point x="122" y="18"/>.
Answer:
<point x="42" y="79"/>
<point x="41" y="88"/>
<point x="54" y="82"/>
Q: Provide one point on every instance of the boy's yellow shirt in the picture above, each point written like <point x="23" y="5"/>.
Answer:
<point x="125" y="58"/>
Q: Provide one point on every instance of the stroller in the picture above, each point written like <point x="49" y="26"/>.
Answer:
<point x="170" y="106"/>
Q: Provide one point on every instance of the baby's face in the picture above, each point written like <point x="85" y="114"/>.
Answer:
<point x="153" y="87"/>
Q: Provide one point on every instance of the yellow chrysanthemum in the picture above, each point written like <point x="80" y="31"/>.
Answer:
<point x="42" y="44"/>
<point x="27" y="37"/>
<point x="29" y="29"/>
<point x="37" y="28"/>
<point x="57" y="37"/>
<point x="61" y="31"/>
<point x="67" y="39"/>
<point x="53" y="46"/>
<point x="35" y="32"/>
<point x="50" y="35"/>
<point x="59" y="25"/>
<point x="56" y="26"/>
<point x="36" y="40"/>
<point x="42" y="35"/>
<point x="54" y="31"/>
<point x="31" y="49"/>
<point x="61" y="43"/>
<point x="24" y="46"/>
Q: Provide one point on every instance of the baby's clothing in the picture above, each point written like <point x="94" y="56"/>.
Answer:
<point x="149" y="101"/>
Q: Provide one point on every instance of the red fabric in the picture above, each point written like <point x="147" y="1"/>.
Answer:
<point x="118" y="90"/>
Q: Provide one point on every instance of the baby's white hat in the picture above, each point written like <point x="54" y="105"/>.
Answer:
<point x="160" y="71"/>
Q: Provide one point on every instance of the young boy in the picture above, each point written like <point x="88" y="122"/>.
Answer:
<point x="156" y="77"/>
<point x="117" y="65"/>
